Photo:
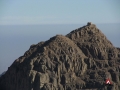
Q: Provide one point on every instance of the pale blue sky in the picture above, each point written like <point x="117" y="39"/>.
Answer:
<point x="59" y="11"/>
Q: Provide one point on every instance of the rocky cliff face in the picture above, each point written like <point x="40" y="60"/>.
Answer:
<point x="81" y="60"/>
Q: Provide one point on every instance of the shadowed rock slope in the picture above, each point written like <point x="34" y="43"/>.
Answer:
<point x="83" y="59"/>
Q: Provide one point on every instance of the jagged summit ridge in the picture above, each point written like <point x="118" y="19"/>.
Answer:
<point x="88" y="32"/>
<point x="92" y="42"/>
<point x="82" y="59"/>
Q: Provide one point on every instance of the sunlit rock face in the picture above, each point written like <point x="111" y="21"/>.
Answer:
<point x="83" y="59"/>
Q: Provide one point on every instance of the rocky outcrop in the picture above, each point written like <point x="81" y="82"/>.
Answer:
<point x="93" y="42"/>
<point x="83" y="59"/>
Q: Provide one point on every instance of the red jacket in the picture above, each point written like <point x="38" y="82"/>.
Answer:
<point x="108" y="81"/>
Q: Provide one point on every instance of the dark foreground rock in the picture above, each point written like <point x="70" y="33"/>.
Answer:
<point x="2" y="73"/>
<point x="81" y="60"/>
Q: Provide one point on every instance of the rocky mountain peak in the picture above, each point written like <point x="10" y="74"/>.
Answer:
<point x="87" y="32"/>
<point x="83" y="59"/>
<point x="92" y="42"/>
